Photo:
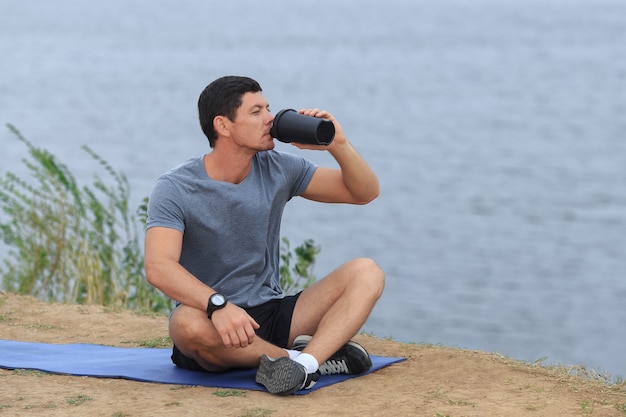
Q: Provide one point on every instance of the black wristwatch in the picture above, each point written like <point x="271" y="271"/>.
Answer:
<point x="216" y="301"/>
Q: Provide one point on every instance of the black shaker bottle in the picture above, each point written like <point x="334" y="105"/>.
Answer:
<point x="291" y="126"/>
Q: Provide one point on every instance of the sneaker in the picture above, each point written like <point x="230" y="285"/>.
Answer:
<point x="284" y="376"/>
<point x="351" y="359"/>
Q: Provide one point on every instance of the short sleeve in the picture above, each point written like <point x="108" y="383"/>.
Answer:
<point x="164" y="209"/>
<point x="299" y="169"/>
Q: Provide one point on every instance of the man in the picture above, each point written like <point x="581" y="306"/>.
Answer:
<point x="212" y="244"/>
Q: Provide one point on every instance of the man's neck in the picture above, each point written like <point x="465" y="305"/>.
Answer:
<point x="228" y="167"/>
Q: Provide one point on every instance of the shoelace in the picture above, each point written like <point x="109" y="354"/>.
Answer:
<point x="333" y="367"/>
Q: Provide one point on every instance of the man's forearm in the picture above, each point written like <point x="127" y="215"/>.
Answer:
<point x="177" y="283"/>
<point x="358" y="176"/>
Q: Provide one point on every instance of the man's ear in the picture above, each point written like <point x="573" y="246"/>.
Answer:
<point x="221" y="125"/>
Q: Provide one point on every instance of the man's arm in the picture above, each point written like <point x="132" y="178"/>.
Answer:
<point x="162" y="251"/>
<point x="354" y="182"/>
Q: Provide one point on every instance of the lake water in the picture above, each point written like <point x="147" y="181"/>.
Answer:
<point x="497" y="129"/>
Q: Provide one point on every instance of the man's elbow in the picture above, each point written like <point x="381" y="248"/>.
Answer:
<point x="152" y="273"/>
<point x="370" y="196"/>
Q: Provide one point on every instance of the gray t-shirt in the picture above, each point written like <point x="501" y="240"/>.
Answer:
<point x="231" y="232"/>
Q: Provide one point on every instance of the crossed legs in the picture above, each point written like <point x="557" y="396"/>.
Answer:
<point x="332" y="310"/>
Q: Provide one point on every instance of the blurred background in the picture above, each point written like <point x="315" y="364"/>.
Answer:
<point x="496" y="128"/>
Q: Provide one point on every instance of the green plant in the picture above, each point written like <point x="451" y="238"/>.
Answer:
<point x="587" y="406"/>
<point x="300" y="275"/>
<point x="69" y="243"/>
<point x="229" y="393"/>
<point x="159" y="342"/>
<point x="29" y="372"/>
<point x="78" y="399"/>
<point x="257" y="412"/>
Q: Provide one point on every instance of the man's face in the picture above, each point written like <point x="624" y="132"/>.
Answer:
<point x="252" y="124"/>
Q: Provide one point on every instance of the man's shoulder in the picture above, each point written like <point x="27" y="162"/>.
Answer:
<point x="287" y="168"/>
<point x="179" y="179"/>
<point x="280" y="158"/>
<point x="189" y="165"/>
<point x="184" y="170"/>
<point x="270" y="155"/>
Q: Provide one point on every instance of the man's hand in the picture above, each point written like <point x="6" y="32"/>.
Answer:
<point x="339" y="139"/>
<point x="234" y="325"/>
<point x="354" y="183"/>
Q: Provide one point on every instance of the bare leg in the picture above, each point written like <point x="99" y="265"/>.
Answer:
<point x="334" y="308"/>
<point x="194" y="335"/>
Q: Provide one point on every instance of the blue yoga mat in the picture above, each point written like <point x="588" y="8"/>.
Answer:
<point x="138" y="364"/>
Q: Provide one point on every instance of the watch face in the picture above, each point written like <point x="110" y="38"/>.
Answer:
<point x="218" y="299"/>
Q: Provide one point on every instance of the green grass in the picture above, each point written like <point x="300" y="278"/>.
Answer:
<point x="78" y="400"/>
<point x="29" y="372"/>
<point x="72" y="243"/>
<point x="229" y="393"/>
<point x="159" y="342"/>
<point x="257" y="412"/>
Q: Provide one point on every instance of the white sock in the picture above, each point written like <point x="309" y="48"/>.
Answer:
<point x="308" y="361"/>
<point x="293" y="354"/>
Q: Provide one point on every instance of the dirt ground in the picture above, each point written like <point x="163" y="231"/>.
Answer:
<point x="433" y="381"/>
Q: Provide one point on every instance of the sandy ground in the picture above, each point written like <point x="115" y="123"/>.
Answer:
<point x="434" y="381"/>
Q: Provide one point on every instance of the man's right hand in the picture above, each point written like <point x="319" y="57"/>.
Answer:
<point x="234" y="325"/>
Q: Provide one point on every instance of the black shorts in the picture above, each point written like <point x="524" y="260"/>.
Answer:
<point x="274" y="317"/>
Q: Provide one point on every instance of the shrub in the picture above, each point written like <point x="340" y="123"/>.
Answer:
<point x="69" y="243"/>
<point x="300" y="275"/>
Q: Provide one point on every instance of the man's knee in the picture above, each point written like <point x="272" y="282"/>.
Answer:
<point x="190" y="329"/>
<point x="196" y="338"/>
<point x="369" y="276"/>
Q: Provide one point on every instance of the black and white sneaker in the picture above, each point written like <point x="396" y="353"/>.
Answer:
<point x="284" y="376"/>
<point x="351" y="359"/>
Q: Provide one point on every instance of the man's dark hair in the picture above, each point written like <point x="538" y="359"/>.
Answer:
<point x="222" y="98"/>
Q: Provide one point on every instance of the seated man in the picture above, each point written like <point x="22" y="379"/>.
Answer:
<point x="212" y="244"/>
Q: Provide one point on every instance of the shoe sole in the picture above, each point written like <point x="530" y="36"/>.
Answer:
<point x="280" y="376"/>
